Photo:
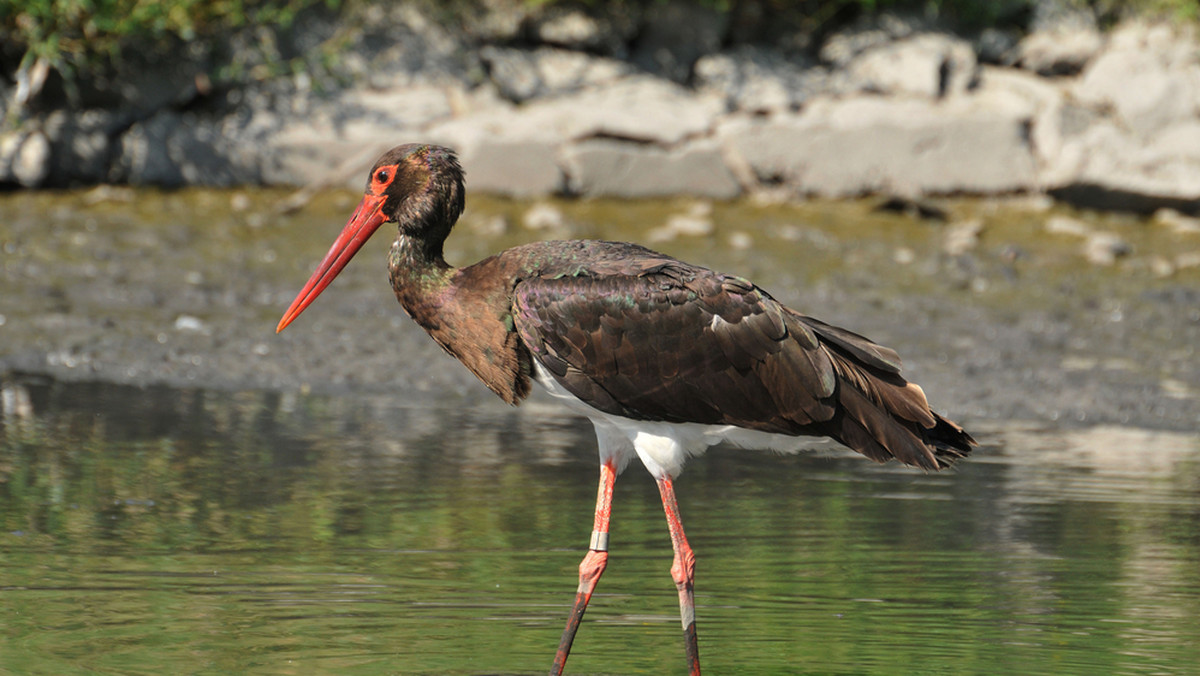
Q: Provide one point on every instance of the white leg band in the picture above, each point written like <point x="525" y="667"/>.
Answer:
<point x="599" y="541"/>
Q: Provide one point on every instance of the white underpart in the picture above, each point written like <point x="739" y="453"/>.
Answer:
<point x="663" y="447"/>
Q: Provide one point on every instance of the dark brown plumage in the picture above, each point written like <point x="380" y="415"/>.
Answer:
<point x="651" y="345"/>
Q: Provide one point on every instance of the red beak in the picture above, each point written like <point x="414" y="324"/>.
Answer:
<point x="366" y="220"/>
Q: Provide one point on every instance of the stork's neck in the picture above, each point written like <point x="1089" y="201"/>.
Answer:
<point x="467" y="311"/>
<point x="419" y="275"/>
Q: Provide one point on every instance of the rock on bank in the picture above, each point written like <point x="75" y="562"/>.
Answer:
<point x="651" y="102"/>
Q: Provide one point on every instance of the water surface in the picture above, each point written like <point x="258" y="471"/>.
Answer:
<point x="156" y="530"/>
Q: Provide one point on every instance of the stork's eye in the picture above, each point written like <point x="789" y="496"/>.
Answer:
<point x="382" y="176"/>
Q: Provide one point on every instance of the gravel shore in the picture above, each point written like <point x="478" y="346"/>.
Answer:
<point x="996" y="315"/>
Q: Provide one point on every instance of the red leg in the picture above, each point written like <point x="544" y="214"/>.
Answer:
<point x="683" y="570"/>
<point x="592" y="566"/>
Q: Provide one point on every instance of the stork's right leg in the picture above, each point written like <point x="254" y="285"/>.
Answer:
<point x="592" y="566"/>
<point x="683" y="570"/>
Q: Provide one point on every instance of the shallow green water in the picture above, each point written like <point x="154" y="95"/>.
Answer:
<point x="165" y="531"/>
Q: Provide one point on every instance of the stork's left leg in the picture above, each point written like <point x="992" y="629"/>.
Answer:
<point x="592" y="566"/>
<point x="683" y="570"/>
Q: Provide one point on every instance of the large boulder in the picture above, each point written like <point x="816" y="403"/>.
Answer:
<point x="573" y="28"/>
<point x="1106" y="168"/>
<point x="523" y="74"/>
<point x="616" y="169"/>
<point x="932" y="65"/>
<point x="1149" y="76"/>
<point x="24" y="158"/>
<point x="176" y="149"/>
<point x="640" y="108"/>
<point x="323" y="141"/>
<point x="756" y="79"/>
<point x="1129" y="136"/>
<point x="866" y="144"/>
<point x="520" y="168"/>
<point x="1060" y="52"/>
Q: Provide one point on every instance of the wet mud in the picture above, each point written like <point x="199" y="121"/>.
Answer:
<point x="997" y="314"/>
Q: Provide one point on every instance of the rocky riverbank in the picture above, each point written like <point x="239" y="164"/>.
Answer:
<point x="675" y="99"/>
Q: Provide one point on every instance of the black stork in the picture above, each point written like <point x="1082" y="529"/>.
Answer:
<point x="666" y="358"/>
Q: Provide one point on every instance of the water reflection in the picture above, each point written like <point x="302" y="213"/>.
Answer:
<point x="164" y="531"/>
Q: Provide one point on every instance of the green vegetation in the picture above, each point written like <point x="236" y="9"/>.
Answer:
<point x="81" y="37"/>
<point x="78" y="38"/>
<point x="70" y="30"/>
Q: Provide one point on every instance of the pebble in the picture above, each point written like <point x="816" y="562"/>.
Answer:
<point x="741" y="240"/>
<point x="1177" y="222"/>
<point x="1161" y="267"/>
<point x="190" y="323"/>
<point x="1065" y="225"/>
<point x="963" y="236"/>
<point x="1188" y="260"/>
<point x="107" y="193"/>
<point x="543" y="216"/>
<point x="1104" y="248"/>
<point x="681" y="225"/>
<point x="696" y="222"/>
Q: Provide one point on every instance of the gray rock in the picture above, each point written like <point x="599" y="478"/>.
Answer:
<point x="1060" y="52"/>
<point x="675" y="34"/>
<point x="331" y="141"/>
<point x="927" y="64"/>
<point x="1106" y="167"/>
<point x="962" y="237"/>
<point x="1177" y="222"/>
<point x="1053" y="15"/>
<point x="521" y="74"/>
<point x="1149" y="75"/>
<point x="10" y="143"/>
<point x="640" y="108"/>
<point x="517" y="168"/>
<point x="497" y="20"/>
<point x="402" y="46"/>
<point x="996" y="46"/>
<point x="173" y="149"/>
<point x="757" y="79"/>
<point x="544" y="216"/>
<point x="611" y="168"/>
<point x="1134" y="141"/>
<point x="1065" y="225"/>
<point x="29" y="158"/>
<point x="1104" y="248"/>
<point x="514" y="72"/>
<point x="1051" y="115"/>
<point x="637" y="108"/>
<point x="563" y="71"/>
<point x="697" y="222"/>
<point x="865" y="145"/>
<point x="68" y="147"/>
<point x="82" y="143"/>
<point x="868" y="32"/>
<point x="604" y="32"/>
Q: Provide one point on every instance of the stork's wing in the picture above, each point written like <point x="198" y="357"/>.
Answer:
<point x="679" y="343"/>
